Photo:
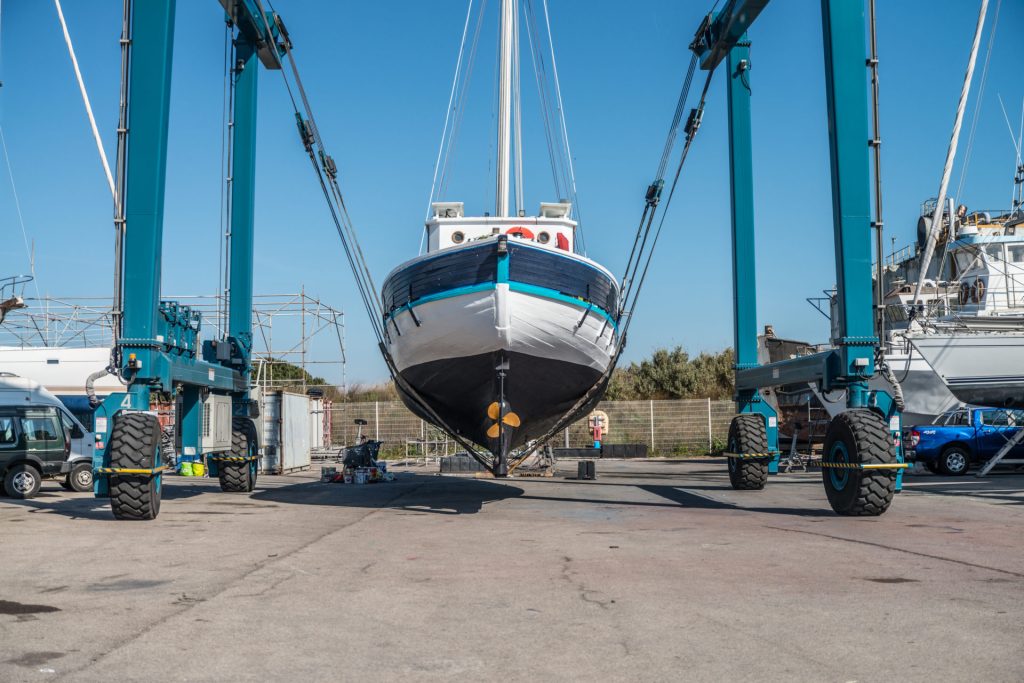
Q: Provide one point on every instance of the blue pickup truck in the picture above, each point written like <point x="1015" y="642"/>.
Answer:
<point x="964" y="436"/>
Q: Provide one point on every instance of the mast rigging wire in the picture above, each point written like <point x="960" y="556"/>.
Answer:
<point x="460" y="106"/>
<point x="977" y="101"/>
<point x="326" y="171"/>
<point x="448" y="111"/>
<point x="14" y="188"/>
<point x="85" y="100"/>
<point x="950" y="155"/>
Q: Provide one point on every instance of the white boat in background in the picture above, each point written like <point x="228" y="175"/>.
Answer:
<point x="981" y="368"/>
<point x="501" y="328"/>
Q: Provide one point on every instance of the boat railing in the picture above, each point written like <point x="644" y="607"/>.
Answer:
<point x="13" y="285"/>
<point x="900" y="255"/>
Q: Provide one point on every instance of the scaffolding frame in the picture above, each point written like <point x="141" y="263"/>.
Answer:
<point x="80" y="322"/>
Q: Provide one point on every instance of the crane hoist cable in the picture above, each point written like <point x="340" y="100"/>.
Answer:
<point x="631" y="285"/>
<point x="650" y="208"/>
<point x="326" y="171"/>
<point x="327" y="176"/>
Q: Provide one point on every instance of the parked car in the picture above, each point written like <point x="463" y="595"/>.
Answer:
<point x="40" y="439"/>
<point x="961" y="437"/>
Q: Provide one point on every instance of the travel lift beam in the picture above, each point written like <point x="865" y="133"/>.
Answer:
<point x="862" y="461"/>
<point x="157" y="346"/>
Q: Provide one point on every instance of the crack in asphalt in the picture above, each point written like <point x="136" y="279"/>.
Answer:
<point x="230" y="583"/>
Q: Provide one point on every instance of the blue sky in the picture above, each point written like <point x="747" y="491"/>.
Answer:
<point x="379" y="74"/>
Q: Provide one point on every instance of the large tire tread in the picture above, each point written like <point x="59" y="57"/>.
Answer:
<point x="238" y="477"/>
<point x="133" y="445"/>
<point x="747" y="434"/>
<point x="872" y="493"/>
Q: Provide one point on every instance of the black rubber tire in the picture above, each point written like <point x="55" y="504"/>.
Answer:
<point x="859" y="436"/>
<point x="747" y="434"/>
<point x="22" y="481"/>
<point x="239" y="477"/>
<point x="133" y="444"/>
<point x="79" y="479"/>
<point x="65" y="483"/>
<point x="954" y="461"/>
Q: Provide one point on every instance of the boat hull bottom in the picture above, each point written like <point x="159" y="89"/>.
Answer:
<point x="539" y="391"/>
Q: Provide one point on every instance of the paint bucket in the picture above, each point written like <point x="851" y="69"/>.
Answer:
<point x="186" y="469"/>
<point x="360" y="476"/>
<point x="198" y="469"/>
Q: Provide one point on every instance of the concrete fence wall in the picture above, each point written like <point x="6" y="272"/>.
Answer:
<point x="666" y="427"/>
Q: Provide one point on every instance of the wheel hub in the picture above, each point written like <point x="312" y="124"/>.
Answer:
<point x="839" y="476"/>
<point x="956" y="461"/>
<point x="23" y="482"/>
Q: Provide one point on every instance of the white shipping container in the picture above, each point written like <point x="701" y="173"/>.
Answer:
<point x="286" y="432"/>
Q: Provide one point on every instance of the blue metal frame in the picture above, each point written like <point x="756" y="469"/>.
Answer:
<point x="744" y="282"/>
<point x="851" y="363"/>
<point x="159" y="342"/>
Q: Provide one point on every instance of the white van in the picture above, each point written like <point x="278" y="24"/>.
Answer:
<point x="75" y="473"/>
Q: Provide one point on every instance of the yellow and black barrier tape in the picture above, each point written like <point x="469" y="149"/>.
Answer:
<point x="131" y="470"/>
<point x="751" y="456"/>
<point x="232" y="458"/>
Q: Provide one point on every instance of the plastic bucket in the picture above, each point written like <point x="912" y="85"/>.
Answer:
<point x="360" y="476"/>
<point x="185" y="469"/>
<point x="198" y="469"/>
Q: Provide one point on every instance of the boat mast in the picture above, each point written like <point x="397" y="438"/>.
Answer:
<point x="936" y="226"/>
<point x="508" y="16"/>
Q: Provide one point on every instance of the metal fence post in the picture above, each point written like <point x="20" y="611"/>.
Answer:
<point x="376" y="420"/>
<point x="651" y="405"/>
<point x="709" y="425"/>
<point x="566" y="437"/>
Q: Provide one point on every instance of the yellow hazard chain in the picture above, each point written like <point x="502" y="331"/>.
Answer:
<point x="859" y="466"/>
<point x="750" y="456"/>
<point x="131" y="470"/>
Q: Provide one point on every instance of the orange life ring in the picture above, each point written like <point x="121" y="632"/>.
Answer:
<point x="520" y="231"/>
<point x="965" y="293"/>
<point x="978" y="291"/>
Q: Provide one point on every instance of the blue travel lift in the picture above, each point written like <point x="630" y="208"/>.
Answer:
<point x="157" y="348"/>
<point x="862" y="459"/>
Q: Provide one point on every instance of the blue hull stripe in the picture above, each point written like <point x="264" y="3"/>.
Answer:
<point x="522" y="287"/>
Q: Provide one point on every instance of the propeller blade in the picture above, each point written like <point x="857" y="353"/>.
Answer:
<point x="493" y="411"/>
<point x="512" y="420"/>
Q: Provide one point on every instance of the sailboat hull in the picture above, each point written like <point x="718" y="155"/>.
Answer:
<point x="528" y="329"/>
<point x="984" y="369"/>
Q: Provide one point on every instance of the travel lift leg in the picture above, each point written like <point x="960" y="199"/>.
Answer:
<point x="754" y="433"/>
<point x="862" y="460"/>
<point x="158" y="342"/>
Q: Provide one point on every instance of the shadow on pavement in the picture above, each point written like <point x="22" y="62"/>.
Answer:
<point x="412" y="492"/>
<point x="86" y="506"/>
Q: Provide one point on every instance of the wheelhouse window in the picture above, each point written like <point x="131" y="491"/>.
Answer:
<point x="994" y="251"/>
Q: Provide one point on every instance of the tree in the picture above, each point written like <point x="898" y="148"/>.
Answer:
<point x="672" y="374"/>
